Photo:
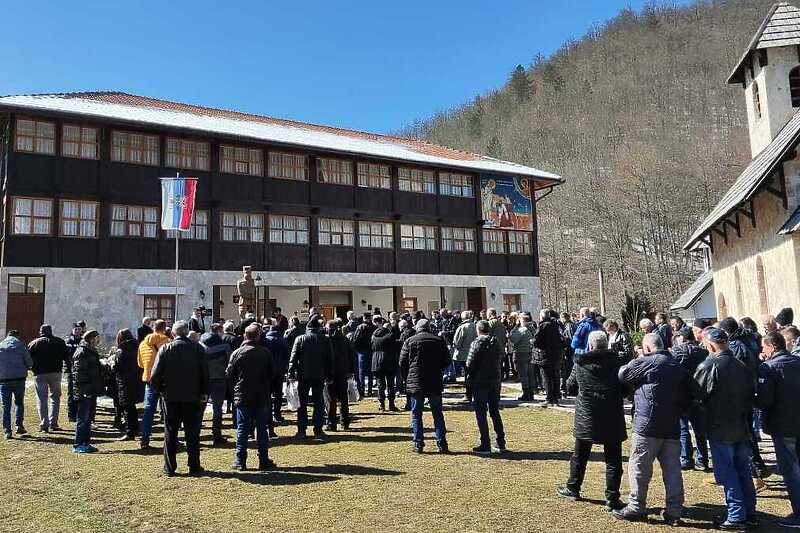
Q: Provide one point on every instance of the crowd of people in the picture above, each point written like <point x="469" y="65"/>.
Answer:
<point x="701" y="394"/>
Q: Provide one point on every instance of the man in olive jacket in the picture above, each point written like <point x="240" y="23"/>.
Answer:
<point x="423" y="358"/>
<point x="727" y="390"/>
<point x="483" y="373"/>
<point x="180" y="375"/>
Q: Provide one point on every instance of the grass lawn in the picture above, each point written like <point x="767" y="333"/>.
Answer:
<point x="363" y="480"/>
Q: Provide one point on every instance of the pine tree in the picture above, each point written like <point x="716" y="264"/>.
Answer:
<point x="520" y="84"/>
<point x="475" y="120"/>
<point x="494" y="148"/>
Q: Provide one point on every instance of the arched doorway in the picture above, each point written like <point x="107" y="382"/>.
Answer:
<point x="761" y="283"/>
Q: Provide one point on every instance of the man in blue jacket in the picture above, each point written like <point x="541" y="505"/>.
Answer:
<point x="15" y="362"/>
<point x="662" y="393"/>
<point x="587" y="324"/>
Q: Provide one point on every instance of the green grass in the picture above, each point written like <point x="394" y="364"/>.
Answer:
<point x="363" y="480"/>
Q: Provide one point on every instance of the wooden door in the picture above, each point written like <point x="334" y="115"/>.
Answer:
<point x="25" y="309"/>
<point x="476" y="299"/>
<point x="328" y="311"/>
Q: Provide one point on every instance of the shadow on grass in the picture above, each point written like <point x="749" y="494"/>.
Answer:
<point x="277" y="477"/>
<point x="559" y="455"/>
<point x="345" y="470"/>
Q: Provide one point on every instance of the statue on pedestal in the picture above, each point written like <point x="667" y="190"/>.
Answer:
<point x="247" y="292"/>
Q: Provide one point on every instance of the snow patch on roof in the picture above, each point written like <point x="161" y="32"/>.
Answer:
<point x="152" y="112"/>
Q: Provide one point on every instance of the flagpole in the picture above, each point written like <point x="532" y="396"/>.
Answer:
<point x="177" y="235"/>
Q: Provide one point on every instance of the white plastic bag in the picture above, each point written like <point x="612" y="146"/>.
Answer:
<point x="352" y="391"/>
<point x="291" y="395"/>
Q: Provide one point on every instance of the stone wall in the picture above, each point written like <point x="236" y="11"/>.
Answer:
<point x="107" y="299"/>
<point x="737" y="282"/>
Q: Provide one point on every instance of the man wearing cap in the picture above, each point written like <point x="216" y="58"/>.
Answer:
<point x="310" y="366"/>
<point x="726" y="390"/>
<point x="423" y="359"/>
<point x="49" y="353"/>
<point x="87" y="376"/>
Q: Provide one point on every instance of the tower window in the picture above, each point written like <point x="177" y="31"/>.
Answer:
<point x="794" y="86"/>
<point x="756" y="99"/>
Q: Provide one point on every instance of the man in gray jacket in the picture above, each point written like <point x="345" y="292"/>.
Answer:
<point x="15" y="362"/>
<point x="521" y="340"/>
<point x="462" y="340"/>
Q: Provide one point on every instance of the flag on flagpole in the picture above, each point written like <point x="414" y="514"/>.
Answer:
<point x="177" y="203"/>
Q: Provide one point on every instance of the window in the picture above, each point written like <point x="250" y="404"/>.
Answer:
<point x="159" y="307"/>
<point x="134" y="148"/>
<point x="756" y="99"/>
<point x="455" y="185"/>
<point x="285" y="229"/>
<point x="80" y="142"/>
<point x="416" y="180"/>
<point x="458" y="240"/>
<point x="519" y="243"/>
<point x="78" y="219"/>
<point x="234" y="160"/>
<point x="335" y="232"/>
<point x="198" y="230"/>
<point x="288" y="166"/>
<point x="134" y="221"/>
<point x="375" y="235"/>
<point x="336" y="171"/>
<point x="511" y="303"/>
<point x="417" y="237"/>
<point x="242" y="227"/>
<point x="32" y="216"/>
<point x="794" y="86"/>
<point x="24" y="284"/>
<point x="374" y="176"/>
<point x="493" y="242"/>
<point x="191" y="155"/>
<point x="36" y="136"/>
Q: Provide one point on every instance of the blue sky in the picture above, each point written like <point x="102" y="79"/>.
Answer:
<point x="371" y="65"/>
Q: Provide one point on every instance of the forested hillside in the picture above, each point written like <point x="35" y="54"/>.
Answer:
<point x="639" y="119"/>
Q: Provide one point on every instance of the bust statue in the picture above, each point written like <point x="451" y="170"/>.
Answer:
<point x="247" y="292"/>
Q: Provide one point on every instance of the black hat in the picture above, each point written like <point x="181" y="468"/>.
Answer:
<point x="716" y="335"/>
<point x="700" y="323"/>
<point x="785" y="317"/>
<point x="89" y="335"/>
<point x="728" y="325"/>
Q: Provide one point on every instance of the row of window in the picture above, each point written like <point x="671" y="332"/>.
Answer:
<point x="82" y="142"/>
<point x="79" y="218"/>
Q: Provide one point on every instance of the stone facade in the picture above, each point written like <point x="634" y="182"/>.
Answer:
<point x="757" y="273"/>
<point x="107" y="299"/>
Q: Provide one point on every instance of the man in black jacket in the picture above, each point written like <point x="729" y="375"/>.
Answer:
<point x="218" y="353"/>
<point x="362" y="344"/>
<point x="342" y="368"/>
<point x="689" y="355"/>
<point x="726" y="388"/>
<point x="599" y="417"/>
<point x="423" y="358"/>
<point x="778" y="390"/>
<point x="276" y="344"/>
<point x="662" y="393"/>
<point x="310" y="365"/>
<point x="385" y="353"/>
<point x="251" y="370"/>
<point x="49" y="353"/>
<point x="548" y="344"/>
<point x="180" y="374"/>
<point x="484" y="363"/>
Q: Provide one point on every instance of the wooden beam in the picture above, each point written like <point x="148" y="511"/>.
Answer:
<point x="734" y="224"/>
<point x="763" y="59"/>
<point x="723" y="233"/>
<point x="780" y="191"/>
<point x="751" y="214"/>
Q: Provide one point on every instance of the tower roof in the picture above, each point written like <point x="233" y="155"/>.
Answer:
<point x="781" y="27"/>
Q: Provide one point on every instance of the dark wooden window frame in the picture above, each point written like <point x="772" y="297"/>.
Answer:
<point x="125" y="148"/>
<point x="27" y="278"/>
<point x="454" y="239"/>
<point x="80" y="142"/>
<point x="411" y="180"/>
<point x="193" y="154"/>
<point x="32" y="217"/>
<point x="234" y="160"/>
<point x="158" y="307"/>
<point x="340" y="161"/>
<point x="141" y="223"/>
<point x="62" y="219"/>
<point x="305" y="157"/>
<point x="236" y="228"/>
<point x="35" y="138"/>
